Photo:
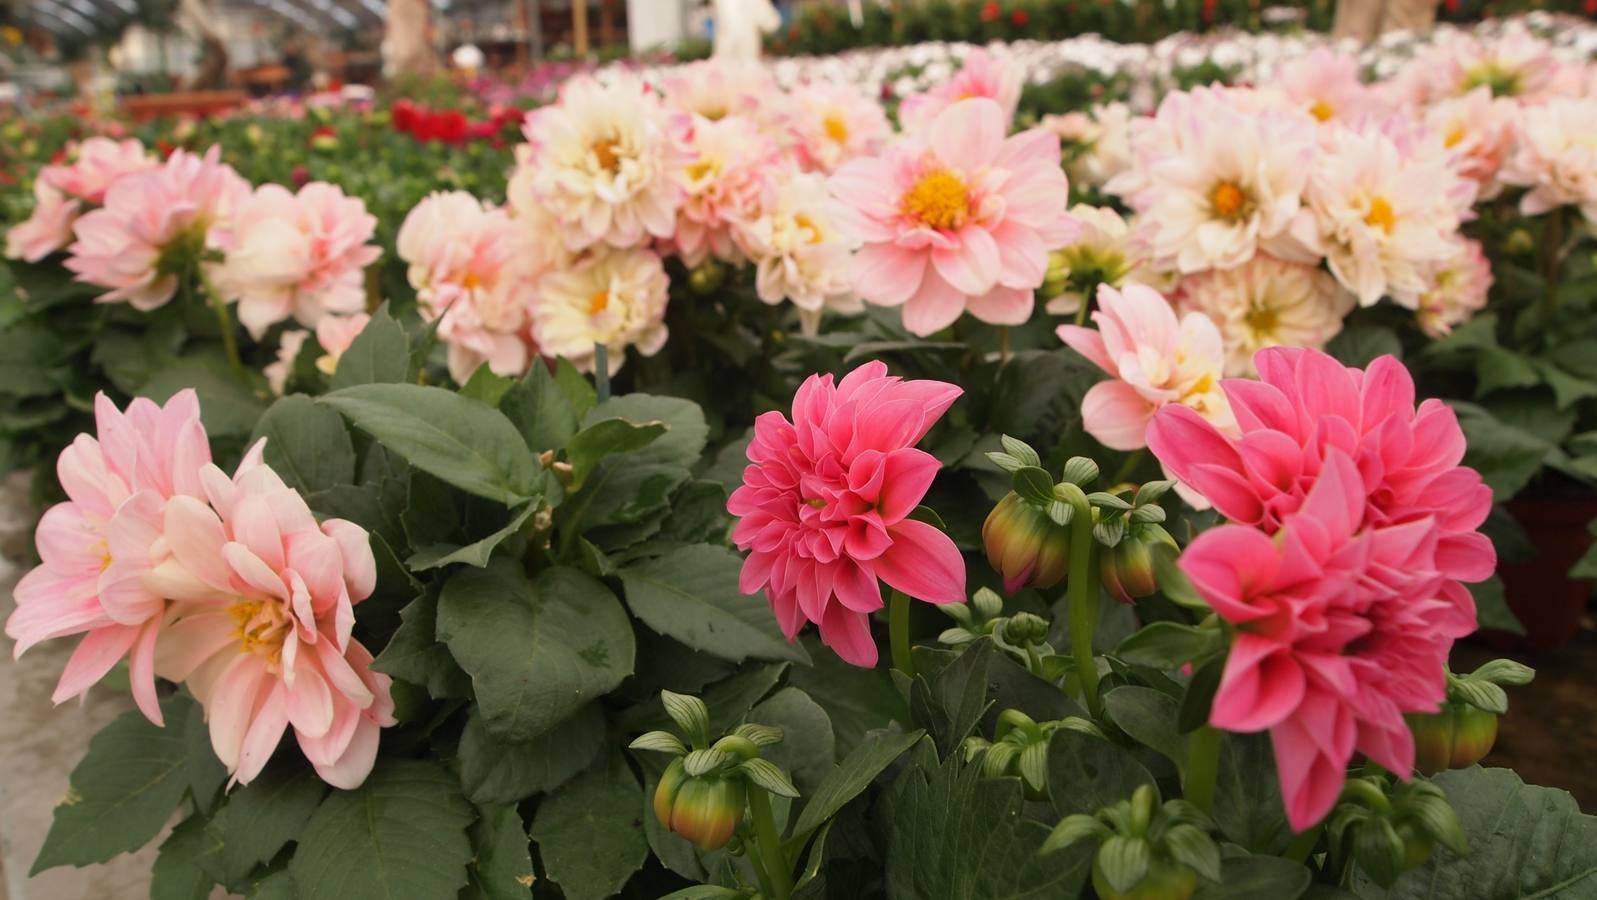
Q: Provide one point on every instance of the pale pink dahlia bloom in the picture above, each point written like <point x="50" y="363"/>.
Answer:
<point x="614" y="297"/>
<point x="824" y="505"/>
<point x="1352" y="528"/>
<point x="468" y="263"/>
<point x="302" y="255"/>
<point x="982" y="75"/>
<point x="956" y="217"/>
<point x="1459" y="289"/>
<point x="1153" y="360"/>
<point x="105" y="568"/>
<point x="604" y="163"/>
<point x="261" y="635"/>
<point x="1556" y="157"/>
<point x="1324" y="84"/>
<point x="153" y="224"/>
<point x="716" y="89"/>
<point x="825" y="125"/>
<point x="722" y="188"/>
<point x="1478" y="131"/>
<point x="98" y="163"/>
<point x="1267" y="303"/>
<point x="47" y="229"/>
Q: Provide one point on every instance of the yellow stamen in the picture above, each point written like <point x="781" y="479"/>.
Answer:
<point x="1262" y="320"/>
<point x="836" y="128"/>
<point x="1381" y="215"/>
<point x="701" y="169"/>
<point x="1227" y="200"/>
<point x="807" y="225"/>
<point x="604" y="150"/>
<point x="471" y="282"/>
<point x="1322" y="111"/>
<point x="598" y="303"/>
<point x="260" y="627"/>
<point x="1455" y="137"/>
<point x="939" y="199"/>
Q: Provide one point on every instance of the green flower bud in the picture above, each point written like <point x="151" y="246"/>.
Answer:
<point x="1519" y="242"/>
<point x="1457" y="737"/>
<point x="1024" y="545"/>
<point x="1165" y="881"/>
<point x="1127" y="568"/>
<point x="1025" y="628"/>
<point x="705" y="810"/>
<point x="706" y="276"/>
<point x="1057" y="279"/>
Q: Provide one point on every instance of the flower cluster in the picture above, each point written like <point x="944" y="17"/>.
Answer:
<point x="1351" y="529"/>
<point x="228" y="585"/>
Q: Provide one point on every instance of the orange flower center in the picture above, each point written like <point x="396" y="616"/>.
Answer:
<point x="1455" y="137"/>
<point x="1381" y="215"/>
<point x="604" y="150"/>
<point x="471" y="282"/>
<point x="836" y="128"/>
<point x="698" y="171"/>
<point x="598" y="303"/>
<point x="939" y="199"/>
<point x="260" y="627"/>
<point x="807" y="225"/>
<point x="1322" y="111"/>
<point x="1227" y="200"/>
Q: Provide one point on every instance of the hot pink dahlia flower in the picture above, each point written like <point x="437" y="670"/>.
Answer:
<point x="824" y="506"/>
<point x="957" y="216"/>
<point x="101" y="574"/>
<point x="261" y="634"/>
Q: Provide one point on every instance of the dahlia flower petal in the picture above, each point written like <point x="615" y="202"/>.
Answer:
<point x="1261" y="686"/>
<point x="98" y="653"/>
<point x="934" y="306"/>
<point x="1003" y="305"/>
<point x="969" y="134"/>
<point x="848" y="633"/>
<point x="924" y="563"/>
<point x="1116" y="415"/>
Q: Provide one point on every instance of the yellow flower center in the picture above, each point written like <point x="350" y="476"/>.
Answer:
<point x="714" y="113"/>
<point x="471" y="282"/>
<point x="260" y="627"/>
<point x="939" y="199"/>
<point x="1322" y="111"/>
<point x="1227" y="200"/>
<point x="1262" y="320"/>
<point x="836" y="128"/>
<point x="1455" y="137"/>
<point x="598" y="303"/>
<point x="813" y="232"/>
<point x="604" y="150"/>
<point x="1203" y="385"/>
<point x="1381" y="215"/>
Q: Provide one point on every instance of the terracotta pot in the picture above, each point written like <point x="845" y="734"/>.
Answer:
<point x="1542" y="595"/>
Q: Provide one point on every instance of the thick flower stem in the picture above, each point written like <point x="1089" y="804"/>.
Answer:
<point x="771" y="858"/>
<point x="601" y="371"/>
<point x="1203" y="767"/>
<point x="224" y="322"/>
<point x="1082" y="596"/>
<point x="898" y="629"/>
<point x="1302" y="844"/>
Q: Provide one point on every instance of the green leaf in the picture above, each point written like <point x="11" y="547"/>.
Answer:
<point x="1491" y="606"/>
<point x="1149" y="717"/>
<point x="503" y="866"/>
<point x="807" y="749"/>
<point x="497" y="771"/>
<point x="203" y="771"/>
<point x="953" y="833"/>
<point x="1247" y="805"/>
<point x="258" y="819"/>
<point x="692" y="595"/>
<point x="603" y="438"/>
<point x="379" y="354"/>
<point x="857" y="701"/>
<point x="124" y="790"/>
<point x="574" y="385"/>
<point x="415" y="654"/>
<point x="306" y="444"/>
<point x="402" y="834"/>
<point x="177" y="874"/>
<point x="476" y="553"/>
<point x="1124" y="861"/>
<point x="1034" y="484"/>
<point x="228" y="406"/>
<point x="589" y="833"/>
<point x="1087" y="773"/>
<point x="1169" y="645"/>
<point x="763" y="773"/>
<point x="1526" y="843"/>
<point x="536" y="651"/>
<point x="486" y="385"/>
<point x="1257" y="878"/>
<point x="1496" y="368"/>
<point x="459" y="440"/>
<point x="540" y="410"/>
<point x="276" y="885"/>
<point x="852" y="776"/>
<point x="686" y="431"/>
<point x="1360" y="345"/>
<point x="1506" y="456"/>
<point x="1020" y="450"/>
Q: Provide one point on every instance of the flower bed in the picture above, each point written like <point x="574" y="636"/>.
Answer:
<point x="1191" y="411"/>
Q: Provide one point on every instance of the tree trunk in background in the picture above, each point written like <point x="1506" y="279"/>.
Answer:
<point x="407" y="40"/>
<point x="196" y="18"/>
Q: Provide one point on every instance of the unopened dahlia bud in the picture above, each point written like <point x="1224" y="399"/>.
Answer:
<point x="705" y="809"/>
<point x="1457" y="737"/>
<point x="1024" y="545"/>
<point x="1127" y="567"/>
<point x="706" y="276"/>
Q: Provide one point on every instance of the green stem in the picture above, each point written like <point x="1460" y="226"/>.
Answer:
<point x="898" y="629"/>
<point x="601" y="371"/>
<point x="1203" y="767"/>
<point x="1003" y="346"/>
<point x="1082" y="596"/>
<point x="224" y="322"/>
<point x="1081" y="311"/>
<point x="772" y="859"/>
<point x="1302" y="844"/>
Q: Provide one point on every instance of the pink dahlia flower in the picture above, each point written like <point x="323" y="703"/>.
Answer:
<point x="722" y="188"/>
<point x="823" y="509"/>
<point x="957" y="216"/>
<point x="982" y="75"/>
<point x="302" y="255"/>
<point x="261" y="634"/>
<point x="153" y="226"/>
<point x="1154" y="360"/>
<point x="102" y="573"/>
<point x="47" y="229"/>
<point x="99" y="163"/>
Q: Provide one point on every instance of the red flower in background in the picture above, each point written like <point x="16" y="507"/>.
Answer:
<point x="1019" y="18"/>
<point x="990" y="11"/>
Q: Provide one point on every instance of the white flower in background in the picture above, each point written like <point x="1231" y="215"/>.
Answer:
<point x="1105" y="252"/>
<point x="1098" y="142"/>
<point x="1556" y="157"/>
<point x="1459" y="289"/>
<point x="800" y="253"/>
<point x="1235" y="186"/>
<point x="1383" y="220"/>
<point x="1267" y="303"/>
<point x="614" y="297"/>
<point x="604" y="163"/>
